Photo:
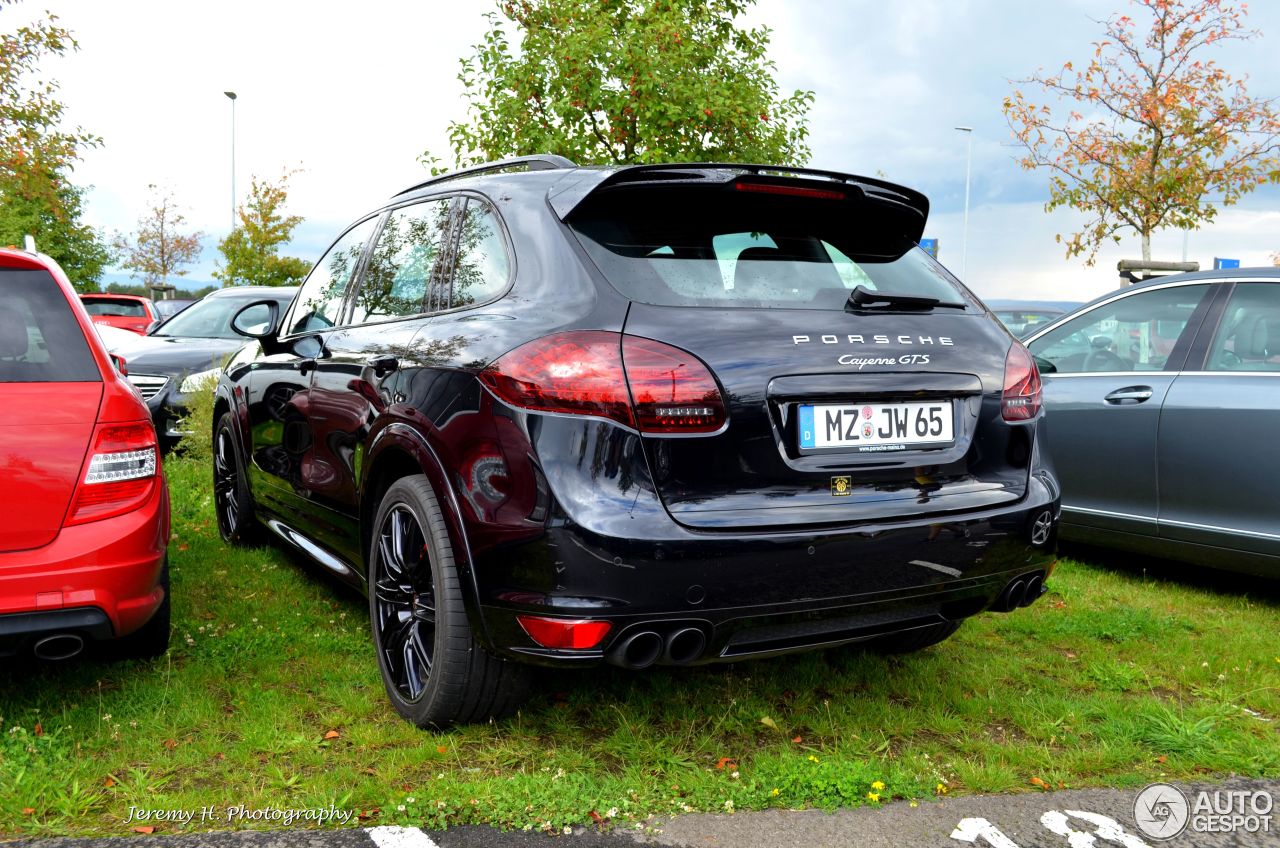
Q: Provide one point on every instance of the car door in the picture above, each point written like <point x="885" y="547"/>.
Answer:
<point x="279" y="437"/>
<point x="1217" y="459"/>
<point x="351" y="384"/>
<point x="1106" y="372"/>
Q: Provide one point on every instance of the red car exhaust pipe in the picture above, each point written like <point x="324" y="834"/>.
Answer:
<point x="60" y="646"/>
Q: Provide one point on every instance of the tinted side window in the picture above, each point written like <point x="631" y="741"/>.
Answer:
<point x="1248" y="339"/>
<point x="403" y="260"/>
<point x="481" y="268"/>
<point x="319" y="302"/>
<point x="1133" y="333"/>
<point x="40" y="340"/>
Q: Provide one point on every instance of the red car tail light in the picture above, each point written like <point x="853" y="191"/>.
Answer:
<point x="672" y="391"/>
<point x="638" y="382"/>
<point x="562" y="633"/>
<point x="1021" y="398"/>
<point x="122" y="471"/>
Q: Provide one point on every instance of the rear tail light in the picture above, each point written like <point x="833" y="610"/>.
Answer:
<point x="1020" y="400"/>
<point x="673" y="392"/>
<point x="562" y="633"/>
<point x="122" y="471"/>
<point x="641" y="383"/>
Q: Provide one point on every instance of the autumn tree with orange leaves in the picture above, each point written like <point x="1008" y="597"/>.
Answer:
<point x="1150" y="127"/>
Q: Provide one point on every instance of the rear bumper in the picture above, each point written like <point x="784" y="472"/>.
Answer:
<point x="100" y="579"/>
<point x="764" y="594"/>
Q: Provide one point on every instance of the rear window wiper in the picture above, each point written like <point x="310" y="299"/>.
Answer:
<point x="864" y="298"/>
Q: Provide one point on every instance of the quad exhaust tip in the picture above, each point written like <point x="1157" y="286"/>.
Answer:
<point x="1021" y="592"/>
<point x="60" y="646"/>
<point x="642" y="649"/>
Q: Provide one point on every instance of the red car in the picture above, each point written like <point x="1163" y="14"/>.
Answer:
<point x="126" y="311"/>
<point x="84" y="509"/>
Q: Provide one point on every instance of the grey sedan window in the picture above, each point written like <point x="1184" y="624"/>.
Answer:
<point x="1249" y="337"/>
<point x="1133" y="333"/>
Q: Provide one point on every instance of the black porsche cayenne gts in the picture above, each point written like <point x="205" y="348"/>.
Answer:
<point x="551" y="415"/>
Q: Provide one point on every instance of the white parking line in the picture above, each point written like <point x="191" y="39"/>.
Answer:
<point x="391" y="836"/>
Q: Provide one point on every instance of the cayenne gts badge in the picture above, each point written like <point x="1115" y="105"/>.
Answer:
<point x="841" y="487"/>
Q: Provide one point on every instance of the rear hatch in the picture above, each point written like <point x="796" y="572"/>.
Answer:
<point x="862" y="382"/>
<point x="50" y="391"/>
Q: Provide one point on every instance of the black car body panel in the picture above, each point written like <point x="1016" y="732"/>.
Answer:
<point x="736" y="533"/>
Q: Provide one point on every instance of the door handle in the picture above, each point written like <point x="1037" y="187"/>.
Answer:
<point x="1129" y="394"/>
<point x="306" y="365"/>
<point x="383" y="365"/>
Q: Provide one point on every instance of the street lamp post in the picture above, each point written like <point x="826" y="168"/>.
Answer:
<point x="964" y="245"/>
<point x="231" y="95"/>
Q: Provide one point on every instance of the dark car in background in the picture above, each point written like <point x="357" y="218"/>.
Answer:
<point x="124" y="311"/>
<point x="1163" y="405"/>
<point x="673" y="414"/>
<point x="169" y="307"/>
<point x="186" y="352"/>
<point x="84" y="510"/>
<point x="1024" y="317"/>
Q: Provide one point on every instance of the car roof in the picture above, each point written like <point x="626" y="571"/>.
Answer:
<point x="282" y="292"/>
<point x="113" y="296"/>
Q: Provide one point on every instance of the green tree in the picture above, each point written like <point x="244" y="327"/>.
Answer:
<point x="627" y="81"/>
<point x="1150" y="126"/>
<point x="37" y="155"/>
<point x="252" y="250"/>
<point x="78" y="248"/>
<point x="158" y="248"/>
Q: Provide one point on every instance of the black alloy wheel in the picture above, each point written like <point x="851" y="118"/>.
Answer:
<point x="403" y="603"/>
<point x="433" y="669"/>
<point x="231" y="501"/>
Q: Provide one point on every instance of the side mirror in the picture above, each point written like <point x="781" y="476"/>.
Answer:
<point x="118" y="361"/>
<point x="151" y="328"/>
<point x="258" y="320"/>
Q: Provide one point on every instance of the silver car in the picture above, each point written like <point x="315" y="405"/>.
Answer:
<point x="1163" y="419"/>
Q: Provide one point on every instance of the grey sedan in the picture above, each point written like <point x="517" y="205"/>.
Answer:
<point x="1163" y="419"/>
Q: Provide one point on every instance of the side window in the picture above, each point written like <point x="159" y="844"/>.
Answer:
<point x="319" y="302"/>
<point x="1248" y="338"/>
<point x="399" y="272"/>
<point x="481" y="268"/>
<point x="1133" y="333"/>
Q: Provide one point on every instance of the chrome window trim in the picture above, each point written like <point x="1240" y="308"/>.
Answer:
<point x="1086" y="510"/>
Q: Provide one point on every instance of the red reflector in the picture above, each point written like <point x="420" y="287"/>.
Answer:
<point x="562" y="633"/>
<point x="578" y="372"/>
<point x="793" y="191"/>
<point x="673" y="392"/>
<point x="1020" y="400"/>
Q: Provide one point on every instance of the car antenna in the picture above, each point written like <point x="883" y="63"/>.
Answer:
<point x="29" y="243"/>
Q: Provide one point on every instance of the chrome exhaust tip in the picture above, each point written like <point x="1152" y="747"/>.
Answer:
<point x="684" y="646"/>
<point x="639" y="650"/>
<point x="60" y="646"/>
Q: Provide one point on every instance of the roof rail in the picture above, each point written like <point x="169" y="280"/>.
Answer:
<point x="535" y="162"/>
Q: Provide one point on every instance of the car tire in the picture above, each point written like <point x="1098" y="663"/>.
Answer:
<point x="232" y="502"/>
<point x="434" y="671"/>
<point x="916" y="639"/>
<point x="151" y="639"/>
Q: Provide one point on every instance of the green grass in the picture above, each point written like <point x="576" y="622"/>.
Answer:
<point x="1112" y="679"/>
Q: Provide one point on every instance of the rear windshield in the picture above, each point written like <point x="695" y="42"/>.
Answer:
<point x="40" y="339"/>
<point x="714" y="248"/>
<point x="115" y="308"/>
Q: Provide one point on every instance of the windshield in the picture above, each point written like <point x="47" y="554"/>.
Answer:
<point x="208" y="319"/>
<point x="716" y="249"/>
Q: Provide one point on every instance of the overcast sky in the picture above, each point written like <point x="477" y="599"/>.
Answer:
<point x="353" y="93"/>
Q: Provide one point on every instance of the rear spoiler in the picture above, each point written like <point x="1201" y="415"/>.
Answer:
<point x="568" y="194"/>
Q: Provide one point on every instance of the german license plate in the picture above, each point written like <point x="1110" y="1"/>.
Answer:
<point x="875" y="426"/>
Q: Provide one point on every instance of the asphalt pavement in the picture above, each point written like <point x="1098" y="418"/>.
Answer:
<point x="1087" y="818"/>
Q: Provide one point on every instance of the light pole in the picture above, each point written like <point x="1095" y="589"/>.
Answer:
<point x="964" y="245"/>
<point x="231" y="95"/>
